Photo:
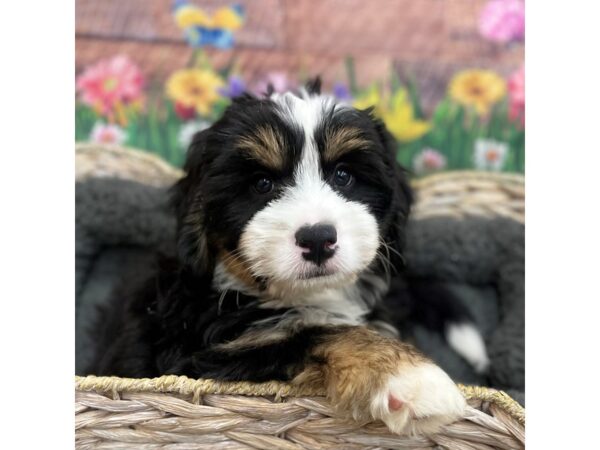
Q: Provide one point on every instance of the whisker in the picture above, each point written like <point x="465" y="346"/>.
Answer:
<point x="221" y="298"/>
<point x="385" y="264"/>
<point x="392" y="249"/>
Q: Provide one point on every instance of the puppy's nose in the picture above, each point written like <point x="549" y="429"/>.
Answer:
<point x="318" y="240"/>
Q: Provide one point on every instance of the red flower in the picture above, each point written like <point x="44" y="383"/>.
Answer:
<point x="184" y="112"/>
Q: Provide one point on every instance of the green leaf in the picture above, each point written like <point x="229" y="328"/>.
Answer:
<point x="415" y="97"/>
<point x="351" y="73"/>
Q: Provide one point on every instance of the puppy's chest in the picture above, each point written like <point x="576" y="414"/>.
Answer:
<point x="329" y="307"/>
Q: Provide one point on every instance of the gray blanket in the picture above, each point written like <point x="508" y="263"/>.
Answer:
<point x="121" y="224"/>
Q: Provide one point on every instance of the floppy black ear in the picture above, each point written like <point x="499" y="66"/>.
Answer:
<point x="187" y="199"/>
<point x="402" y="198"/>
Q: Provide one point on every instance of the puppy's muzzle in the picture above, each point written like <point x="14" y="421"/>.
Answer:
<point x="317" y="242"/>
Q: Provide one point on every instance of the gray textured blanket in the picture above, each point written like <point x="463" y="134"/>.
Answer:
<point x="120" y="225"/>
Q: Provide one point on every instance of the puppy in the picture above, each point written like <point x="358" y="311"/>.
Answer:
<point x="291" y="218"/>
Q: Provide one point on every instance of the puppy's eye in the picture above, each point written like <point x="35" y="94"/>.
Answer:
<point x="263" y="185"/>
<point x="341" y="177"/>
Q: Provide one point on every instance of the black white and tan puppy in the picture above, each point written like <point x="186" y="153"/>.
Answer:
<point x="291" y="219"/>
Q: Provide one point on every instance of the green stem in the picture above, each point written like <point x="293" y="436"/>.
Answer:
<point x="349" y="62"/>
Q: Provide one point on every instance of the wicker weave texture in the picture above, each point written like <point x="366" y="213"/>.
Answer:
<point x="96" y="160"/>
<point x="180" y="413"/>
<point x="462" y="193"/>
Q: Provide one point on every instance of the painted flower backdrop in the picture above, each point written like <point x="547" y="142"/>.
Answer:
<point x="478" y="124"/>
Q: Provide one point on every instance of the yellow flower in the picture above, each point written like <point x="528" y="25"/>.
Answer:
<point x="368" y="99"/>
<point x="188" y="16"/>
<point x="227" y="18"/>
<point x="397" y="114"/>
<point x="477" y="88"/>
<point x="400" y="119"/>
<point x="196" y="88"/>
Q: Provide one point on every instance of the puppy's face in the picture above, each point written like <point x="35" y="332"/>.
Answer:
<point x="291" y="192"/>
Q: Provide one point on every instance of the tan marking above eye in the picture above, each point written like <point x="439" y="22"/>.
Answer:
<point x="340" y="141"/>
<point x="264" y="145"/>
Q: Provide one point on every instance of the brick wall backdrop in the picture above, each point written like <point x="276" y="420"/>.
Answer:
<point x="429" y="39"/>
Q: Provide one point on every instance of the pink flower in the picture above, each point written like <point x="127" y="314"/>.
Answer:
<point x="109" y="84"/>
<point x="516" y="94"/>
<point x="107" y="134"/>
<point x="429" y="160"/>
<point x="278" y="80"/>
<point x="503" y="21"/>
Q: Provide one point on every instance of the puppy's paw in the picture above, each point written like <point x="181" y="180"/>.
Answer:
<point x="419" y="398"/>
<point x="368" y="377"/>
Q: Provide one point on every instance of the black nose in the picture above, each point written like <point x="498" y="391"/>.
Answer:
<point x="318" y="239"/>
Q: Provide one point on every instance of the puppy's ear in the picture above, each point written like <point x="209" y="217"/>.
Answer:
<point x="313" y="87"/>
<point x="187" y="199"/>
<point x="402" y="196"/>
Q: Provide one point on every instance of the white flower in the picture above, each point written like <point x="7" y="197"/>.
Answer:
<point x="103" y="133"/>
<point x="490" y="154"/>
<point x="188" y="130"/>
<point x="428" y="160"/>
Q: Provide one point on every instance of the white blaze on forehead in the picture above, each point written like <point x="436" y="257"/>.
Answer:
<point x="306" y="112"/>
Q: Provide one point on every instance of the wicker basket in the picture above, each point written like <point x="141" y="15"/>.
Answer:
<point x="174" y="412"/>
<point x="96" y="160"/>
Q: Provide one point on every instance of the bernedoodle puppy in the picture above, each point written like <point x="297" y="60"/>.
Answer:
<point x="291" y="222"/>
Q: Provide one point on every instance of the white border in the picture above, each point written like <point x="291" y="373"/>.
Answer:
<point x="563" y="224"/>
<point x="37" y="237"/>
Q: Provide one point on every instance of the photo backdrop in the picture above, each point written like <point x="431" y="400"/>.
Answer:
<point x="446" y="76"/>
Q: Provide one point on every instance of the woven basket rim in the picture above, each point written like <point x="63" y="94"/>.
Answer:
<point x="469" y="175"/>
<point x="130" y="152"/>
<point x="181" y="384"/>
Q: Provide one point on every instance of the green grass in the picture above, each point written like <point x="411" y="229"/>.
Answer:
<point x="155" y="131"/>
<point x="453" y="132"/>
